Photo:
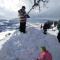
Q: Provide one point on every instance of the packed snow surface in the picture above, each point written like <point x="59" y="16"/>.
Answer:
<point x="27" y="46"/>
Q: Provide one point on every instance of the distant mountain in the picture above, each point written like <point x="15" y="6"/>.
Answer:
<point x="14" y="20"/>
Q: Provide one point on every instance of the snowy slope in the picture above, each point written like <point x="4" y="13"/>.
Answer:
<point x="27" y="46"/>
<point x="4" y="36"/>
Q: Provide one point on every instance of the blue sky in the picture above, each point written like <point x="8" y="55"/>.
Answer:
<point x="9" y="8"/>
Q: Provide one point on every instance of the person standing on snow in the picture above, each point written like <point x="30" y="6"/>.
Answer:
<point x="58" y="27"/>
<point x="44" y="55"/>
<point x="45" y="27"/>
<point x="58" y="36"/>
<point x="23" y="17"/>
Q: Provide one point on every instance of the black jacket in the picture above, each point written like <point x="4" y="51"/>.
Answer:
<point x="58" y="36"/>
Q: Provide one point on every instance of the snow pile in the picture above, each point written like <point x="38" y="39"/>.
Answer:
<point x="27" y="46"/>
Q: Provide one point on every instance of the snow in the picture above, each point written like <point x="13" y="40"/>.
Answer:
<point x="27" y="46"/>
<point x="4" y="36"/>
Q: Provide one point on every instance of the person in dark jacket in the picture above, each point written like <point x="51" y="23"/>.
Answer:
<point x="58" y="36"/>
<point x="45" y="27"/>
<point x="23" y="17"/>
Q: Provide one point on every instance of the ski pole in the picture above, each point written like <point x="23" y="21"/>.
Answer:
<point x="31" y="9"/>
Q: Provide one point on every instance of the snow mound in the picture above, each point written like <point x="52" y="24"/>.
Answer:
<point x="27" y="46"/>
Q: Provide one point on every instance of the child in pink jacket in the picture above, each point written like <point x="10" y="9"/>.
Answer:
<point x="44" y="55"/>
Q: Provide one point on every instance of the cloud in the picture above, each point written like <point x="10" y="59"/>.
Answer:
<point x="9" y="8"/>
<point x="9" y="4"/>
<point x="53" y="10"/>
<point x="4" y="13"/>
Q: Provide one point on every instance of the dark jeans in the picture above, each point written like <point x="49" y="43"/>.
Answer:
<point x="22" y="27"/>
<point x="45" y="31"/>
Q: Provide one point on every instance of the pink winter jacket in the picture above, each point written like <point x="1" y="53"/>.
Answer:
<point x="44" y="56"/>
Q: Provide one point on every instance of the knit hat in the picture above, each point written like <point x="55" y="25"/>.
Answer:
<point x="43" y="48"/>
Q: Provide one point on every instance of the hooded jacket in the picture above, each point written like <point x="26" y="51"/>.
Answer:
<point x="45" y="55"/>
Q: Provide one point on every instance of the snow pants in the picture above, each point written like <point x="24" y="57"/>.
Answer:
<point x="22" y="27"/>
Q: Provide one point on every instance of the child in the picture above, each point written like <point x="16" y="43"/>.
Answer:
<point x="44" y="55"/>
